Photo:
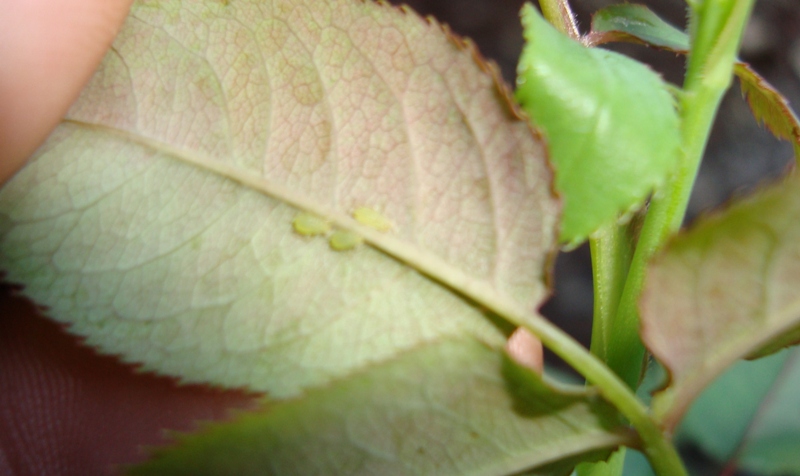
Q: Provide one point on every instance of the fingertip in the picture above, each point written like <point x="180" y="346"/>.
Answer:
<point x="49" y="50"/>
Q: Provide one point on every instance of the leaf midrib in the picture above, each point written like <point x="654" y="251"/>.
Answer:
<point x="427" y="263"/>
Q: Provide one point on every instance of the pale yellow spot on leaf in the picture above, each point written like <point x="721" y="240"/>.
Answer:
<point x="343" y="240"/>
<point x="308" y="224"/>
<point x="373" y="219"/>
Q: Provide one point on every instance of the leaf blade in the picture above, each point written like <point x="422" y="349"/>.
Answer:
<point x="769" y="106"/>
<point x="730" y="294"/>
<point x="753" y="403"/>
<point x="158" y="218"/>
<point x="639" y="23"/>
<point x="444" y="409"/>
<point x="608" y="155"/>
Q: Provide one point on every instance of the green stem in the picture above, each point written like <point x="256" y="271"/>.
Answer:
<point x="718" y="28"/>
<point x="611" y="248"/>
<point x="611" y="257"/>
<point x="559" y="14"/>
<point x="657" y="445"/>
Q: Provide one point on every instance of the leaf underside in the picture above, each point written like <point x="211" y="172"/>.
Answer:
<point x="467" y="411"/>
<point x="158" y="219"/>
<point x="183" y="217"/>
<point x="723" y="291"/>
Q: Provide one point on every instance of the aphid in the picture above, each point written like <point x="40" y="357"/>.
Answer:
<point x="371" y="218"/>
<point x="343" y="240"/>
<point x="308" y="224"/>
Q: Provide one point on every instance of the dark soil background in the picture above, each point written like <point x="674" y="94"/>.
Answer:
<point x="741" y="155"/>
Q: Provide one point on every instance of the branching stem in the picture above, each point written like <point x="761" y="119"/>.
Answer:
<point x="717" y="27"/>
<point x="559" y="14"/>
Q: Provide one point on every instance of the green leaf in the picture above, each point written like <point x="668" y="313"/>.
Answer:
<point x="612" y="466"/>
<point x="636" y="464"/>
<point x="727" y="289"/>
<point x="446" y="408"/>
<point x="638" y="23"/>
<point x="159" y="220"/>
<point x="749" y="418"/>
<point x="610" y="123"/>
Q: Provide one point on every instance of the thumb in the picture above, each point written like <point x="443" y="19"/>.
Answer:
<point x="48" y="49"/>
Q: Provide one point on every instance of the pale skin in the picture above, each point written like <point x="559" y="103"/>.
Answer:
<point x="65" y="410"/>
<point x="48" y="51"/>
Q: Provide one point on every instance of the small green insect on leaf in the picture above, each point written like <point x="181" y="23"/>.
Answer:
<point x="308" y="224"/>
<point x="373" y="219"/>
<point x="343" y="240"/>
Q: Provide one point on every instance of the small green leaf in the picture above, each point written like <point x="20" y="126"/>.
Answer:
<point x="610" y="122"/>
<point x="450" y="408"/>
<point x="748" y="418"/>
<point x="637" y="22"/>
<point x="725" y="290"/>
